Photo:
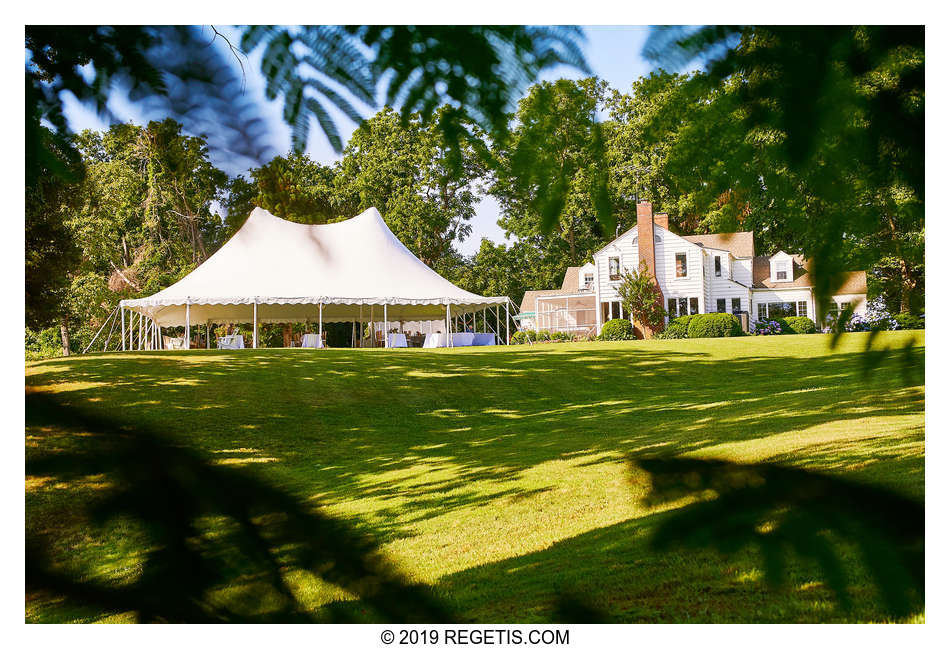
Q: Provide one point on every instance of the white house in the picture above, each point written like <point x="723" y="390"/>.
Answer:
<point x="704" y="273"/>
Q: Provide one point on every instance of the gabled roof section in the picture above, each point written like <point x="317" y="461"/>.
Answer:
<point x="852" y="282"/>
<point x="739" y="244"/>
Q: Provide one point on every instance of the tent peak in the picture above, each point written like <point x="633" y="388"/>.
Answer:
<point x="368" y="214"/>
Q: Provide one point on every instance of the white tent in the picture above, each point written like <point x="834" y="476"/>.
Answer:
<point x="273" y="270"/>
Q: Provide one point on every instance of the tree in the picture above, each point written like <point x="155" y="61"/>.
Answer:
<point x="404" y="170"/>
<point x="51" y="253"/>
<point x="500" y="269"/>
<point x="818" y="134"/>
<point x="641" y="298"/>
<point x="550" y="174"/>
<point x="140" y="219"/>
<point x="293" y="187"/>
<point x="183" y="73"/>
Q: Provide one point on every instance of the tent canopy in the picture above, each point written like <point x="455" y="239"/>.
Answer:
<point x="289" y="270"/>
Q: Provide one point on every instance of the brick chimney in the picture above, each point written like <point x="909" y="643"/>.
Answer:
<point x="662" y="219"/>
<point x="647" y="248"/>
<point x="645" y="240"/>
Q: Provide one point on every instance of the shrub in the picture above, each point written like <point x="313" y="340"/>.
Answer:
<point x="713" y="325"/>
<point x="519" y="338"/>
<point x="45" y="343"/>
<point x="677" y="328"/>
<point x="766" y="328"/>
<point x="562" y="336"/>
<point x="617" y="329"/>
<point x="909" y="321"/>
<point x="543" y="335"/>
<point x="797" y="325"/>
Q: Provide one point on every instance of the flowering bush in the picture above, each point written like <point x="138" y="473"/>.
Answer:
<point x="766" y="328"/>
<point x="876" y="318"/>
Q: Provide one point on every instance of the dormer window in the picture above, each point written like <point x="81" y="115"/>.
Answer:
<point x="781" y="267"/>
<point x="588" y="281"/>
<point x="718" y="264"/>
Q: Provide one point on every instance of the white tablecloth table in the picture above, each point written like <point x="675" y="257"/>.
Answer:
<point x="398" y="340"/>
<point x="313" y="341"/>
<point x="463" y="339"/>
<point x="234" y="341"/>
<point x="482" y="340"/>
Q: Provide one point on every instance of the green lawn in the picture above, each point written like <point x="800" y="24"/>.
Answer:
<point x="498" y="475"/>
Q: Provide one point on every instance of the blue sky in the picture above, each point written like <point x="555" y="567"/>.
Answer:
<point x="613" y="53"/>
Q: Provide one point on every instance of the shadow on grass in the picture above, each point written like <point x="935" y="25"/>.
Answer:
<point x="414" y="431"/>
<point x="189" y="568"/>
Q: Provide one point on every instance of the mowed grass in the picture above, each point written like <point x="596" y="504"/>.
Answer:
<point x="501" y="476"/>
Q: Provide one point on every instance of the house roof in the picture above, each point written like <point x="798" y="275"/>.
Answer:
<point x="740" y="244"/>
<point x="529" y="301"/>
<point x="571" y="282"/>
<point x="851" y="281"/>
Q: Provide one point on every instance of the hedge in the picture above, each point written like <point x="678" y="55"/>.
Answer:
<point x="797" y="325"/>
<point x="617" y="329"/>
<point x="713" y="325"/>
<point x="677" y="328"/>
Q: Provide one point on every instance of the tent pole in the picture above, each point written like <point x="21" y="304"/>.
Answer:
<point x="140" y="333"/>
<point x="448" y="335"/>
<point x="104" y="323"/>
<point x="320" y="329"/>
<point x="255" y="323"/>
<point x="187" y="324"/>
<point x="507" y="330"/>
<point x="361" y="331"/>
<point x="385" y="325"/>
<point x="208" y="334"/>
<point x="123" y="328"/>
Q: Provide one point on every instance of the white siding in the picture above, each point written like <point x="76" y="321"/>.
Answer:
<point x="724" y="288"/>
<point x="859" y="300"/>
<point x="672" y="286"/>
<point x="742" y="271"/>
<point x="629" y="261"/>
